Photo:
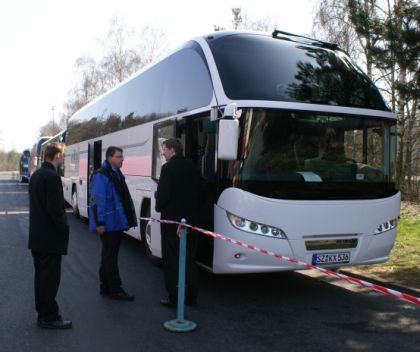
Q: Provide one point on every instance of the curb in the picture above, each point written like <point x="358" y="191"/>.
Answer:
<point x="404" y="289"/>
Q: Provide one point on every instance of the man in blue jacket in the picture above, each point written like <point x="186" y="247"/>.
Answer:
<point x="111" y="212"/>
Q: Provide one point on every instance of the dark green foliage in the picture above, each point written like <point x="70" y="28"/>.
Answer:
<point x="392" y="47"/>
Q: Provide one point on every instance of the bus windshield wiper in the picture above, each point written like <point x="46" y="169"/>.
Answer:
<point x="286" y="35"/>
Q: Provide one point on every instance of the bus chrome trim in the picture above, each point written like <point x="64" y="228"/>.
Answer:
<point x="342" y="110"/>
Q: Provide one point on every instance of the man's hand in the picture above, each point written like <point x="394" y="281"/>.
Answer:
<point x="100" y="229"/>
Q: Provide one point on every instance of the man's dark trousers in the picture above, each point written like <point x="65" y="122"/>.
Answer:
<point x="47" y="281"/>
<point x="170" y="258"/>
<point x="108" y="272"/>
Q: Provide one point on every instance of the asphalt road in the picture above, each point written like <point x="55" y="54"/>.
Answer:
<point x="269" y="312"/>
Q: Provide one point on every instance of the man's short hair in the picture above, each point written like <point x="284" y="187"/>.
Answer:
<point x="52" y="149"/>
<point x="110" y="151"/>
<point x="175" y="144"/>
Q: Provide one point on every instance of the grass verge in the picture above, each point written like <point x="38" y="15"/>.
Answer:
<point x="403" y="267"/>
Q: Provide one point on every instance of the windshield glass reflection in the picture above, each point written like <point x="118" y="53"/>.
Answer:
<point x="328" y="156"/>
<point x="256" y="67"/>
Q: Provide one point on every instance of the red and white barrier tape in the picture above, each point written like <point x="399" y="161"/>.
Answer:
<point x="366" y="284"/>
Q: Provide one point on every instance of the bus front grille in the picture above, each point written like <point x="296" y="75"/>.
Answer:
<point x="331" y="244"/>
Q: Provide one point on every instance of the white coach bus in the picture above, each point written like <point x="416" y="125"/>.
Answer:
<point x="60" y="137"/>
<point x="296" y="146"/>
<point x="36" y="153"/>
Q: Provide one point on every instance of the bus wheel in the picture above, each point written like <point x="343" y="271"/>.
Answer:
<point x="146" y="237"/>
<point x="75" y="204"/>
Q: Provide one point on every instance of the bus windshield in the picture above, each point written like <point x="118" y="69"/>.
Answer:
<point x="301" y="155"/>
<point x="256" y="67"/>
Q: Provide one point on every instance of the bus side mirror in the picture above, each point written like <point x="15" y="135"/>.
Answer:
<point x="228" y="139"/>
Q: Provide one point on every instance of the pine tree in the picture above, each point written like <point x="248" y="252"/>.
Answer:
<point x="392" y="46"/>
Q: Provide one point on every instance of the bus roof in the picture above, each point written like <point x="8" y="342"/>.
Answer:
<point x="245" y="66"/>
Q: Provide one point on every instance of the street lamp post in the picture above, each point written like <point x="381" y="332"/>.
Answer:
<point x="53" y="116"/>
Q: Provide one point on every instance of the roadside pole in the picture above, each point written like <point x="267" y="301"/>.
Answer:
<point x="180" y="324"/>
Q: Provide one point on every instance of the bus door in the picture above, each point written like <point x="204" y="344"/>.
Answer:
<point x="94" y="162"/>
<point x="161" y="132"/>
<point x="198" y="135"/>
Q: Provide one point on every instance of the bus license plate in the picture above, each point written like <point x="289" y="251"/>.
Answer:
<point x="331" y="258"/>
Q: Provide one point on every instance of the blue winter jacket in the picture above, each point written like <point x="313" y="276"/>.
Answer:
<point x="105" y="205"/>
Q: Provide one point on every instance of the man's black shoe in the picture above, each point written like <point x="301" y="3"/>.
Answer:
<point x="55" y="324"/>
<point x="121" y="296"/>
<point x="167" y="302"/>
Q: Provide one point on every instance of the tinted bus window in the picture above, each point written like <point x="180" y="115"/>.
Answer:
<point x="188" y="85"/>
<point x="255" y="67"/>
<point x="303" y="155"/>
<point x="179" y="83"/>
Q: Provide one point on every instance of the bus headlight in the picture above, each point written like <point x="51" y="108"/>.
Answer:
<point x="386" y="226"/>
<point x="255" y="227"/>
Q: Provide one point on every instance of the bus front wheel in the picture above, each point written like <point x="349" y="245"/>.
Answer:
<point x="146" y="237"/>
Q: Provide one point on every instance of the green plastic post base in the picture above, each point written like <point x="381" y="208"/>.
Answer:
<point x="179" y="325"/>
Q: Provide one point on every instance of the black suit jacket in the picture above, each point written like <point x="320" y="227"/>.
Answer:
<point x="48" y="226"/>
<point x="180" y="191"/>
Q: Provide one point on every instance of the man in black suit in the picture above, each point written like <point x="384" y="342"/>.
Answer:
<point x="179" y="195"/>
<point x="48" y="236"/>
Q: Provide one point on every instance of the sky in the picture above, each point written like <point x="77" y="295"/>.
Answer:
<point x="41" y="40"/>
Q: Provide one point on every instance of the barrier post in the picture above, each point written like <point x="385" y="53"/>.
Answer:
<point x="180" y="324"/>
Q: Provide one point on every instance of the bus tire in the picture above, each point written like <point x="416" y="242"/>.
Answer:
<point x="146" y="235"/>
<point x="75" y="204"/>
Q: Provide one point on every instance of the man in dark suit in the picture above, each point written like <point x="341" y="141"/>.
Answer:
<point x="48" y="236"/>
<point x="179" y="195"/>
